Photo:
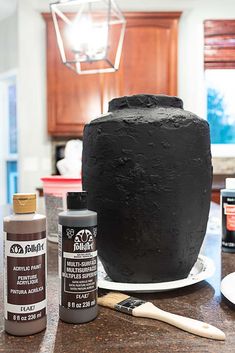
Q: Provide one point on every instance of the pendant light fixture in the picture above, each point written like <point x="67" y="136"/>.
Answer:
<point x="89" y="34"/>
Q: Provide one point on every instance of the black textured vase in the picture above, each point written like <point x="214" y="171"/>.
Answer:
<point x="147" y="169"/>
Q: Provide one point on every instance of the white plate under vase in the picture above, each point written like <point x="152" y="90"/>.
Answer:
<point x="203" y="269"/>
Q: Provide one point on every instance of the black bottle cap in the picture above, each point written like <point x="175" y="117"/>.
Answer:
<point x="77" y="200"/>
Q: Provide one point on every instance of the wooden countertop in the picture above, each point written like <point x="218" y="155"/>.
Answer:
<point x="116" y="332"/>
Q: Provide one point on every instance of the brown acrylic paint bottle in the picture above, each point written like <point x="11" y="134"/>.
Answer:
<point x="24" y="268"/>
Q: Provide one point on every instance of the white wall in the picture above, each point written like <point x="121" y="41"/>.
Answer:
<point x="34" y="143"/>
<point x="8" y="44"/>
<point x="7" y="8"/>
<point x="8" y="65"/>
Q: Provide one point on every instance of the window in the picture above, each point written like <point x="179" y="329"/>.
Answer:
<point x="219" y="61"/>
<point x="9" y="150"/>
<point x="221" y="105"/>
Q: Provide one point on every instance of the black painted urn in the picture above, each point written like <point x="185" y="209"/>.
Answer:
<point x="147" y="169"/>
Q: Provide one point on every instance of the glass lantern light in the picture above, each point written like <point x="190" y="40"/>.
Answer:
<point x="89" y="34"/>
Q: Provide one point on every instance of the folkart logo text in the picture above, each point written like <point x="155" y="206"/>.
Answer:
<point x="83" y="241"/>
<point x="30" y="248"/>
<point x="16" y="249"/>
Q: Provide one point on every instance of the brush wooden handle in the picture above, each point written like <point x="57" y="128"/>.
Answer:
<point x="196" y="327"/>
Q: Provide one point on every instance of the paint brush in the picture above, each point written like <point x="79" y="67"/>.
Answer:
<point x="140" y="308"/>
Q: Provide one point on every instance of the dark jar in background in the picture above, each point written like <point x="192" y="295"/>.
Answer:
<point x="228" y="215"/>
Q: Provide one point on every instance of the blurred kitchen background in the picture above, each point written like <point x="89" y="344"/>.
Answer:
<point x="176" y="47"/>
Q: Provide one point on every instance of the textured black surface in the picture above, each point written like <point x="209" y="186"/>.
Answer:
<point x="147" y="170"/>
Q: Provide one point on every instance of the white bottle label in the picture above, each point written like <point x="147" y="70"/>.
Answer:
<point x="78" y="267"/>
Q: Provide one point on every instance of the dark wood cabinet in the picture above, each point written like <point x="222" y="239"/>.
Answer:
<point x="148" y="65"/>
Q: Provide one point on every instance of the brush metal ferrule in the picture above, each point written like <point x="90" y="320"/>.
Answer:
<point x="128" y="305"/>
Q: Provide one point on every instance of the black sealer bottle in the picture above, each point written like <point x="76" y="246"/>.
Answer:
<point x="228" y="215"/>
<point x="77" y="260"/>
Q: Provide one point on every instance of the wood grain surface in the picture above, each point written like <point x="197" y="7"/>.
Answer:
<point x="148" y="65"/>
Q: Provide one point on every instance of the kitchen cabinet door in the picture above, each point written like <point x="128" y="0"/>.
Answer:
<point x="149" y="57"/>
<point x="72" y="100"/>
<point x="148" y="65"/>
